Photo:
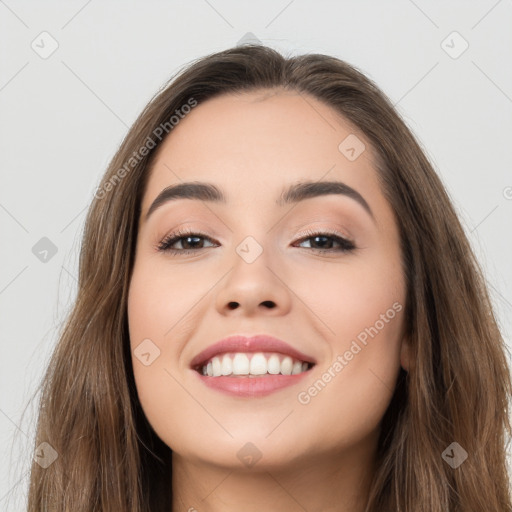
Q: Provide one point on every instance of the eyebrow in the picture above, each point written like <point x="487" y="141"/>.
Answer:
<point x="203" y="191"/>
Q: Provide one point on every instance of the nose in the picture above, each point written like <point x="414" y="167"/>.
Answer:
<point x="252" y="289"/>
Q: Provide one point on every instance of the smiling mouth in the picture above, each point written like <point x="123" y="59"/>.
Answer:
<point x="252" y="365"/>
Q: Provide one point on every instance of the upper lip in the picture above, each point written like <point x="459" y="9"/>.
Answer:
<point x="241" y="343"/>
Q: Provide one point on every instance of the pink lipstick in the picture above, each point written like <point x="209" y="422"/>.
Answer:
<point x="251" y="366"/>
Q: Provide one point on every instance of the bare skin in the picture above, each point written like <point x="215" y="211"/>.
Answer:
<point x="316" y="449"/>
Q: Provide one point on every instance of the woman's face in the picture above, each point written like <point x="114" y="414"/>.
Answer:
<point x="257" y="264"/>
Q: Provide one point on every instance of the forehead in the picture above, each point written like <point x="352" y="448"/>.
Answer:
<point x="255" y="142"/>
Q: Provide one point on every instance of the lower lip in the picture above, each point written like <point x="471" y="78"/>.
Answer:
<point x="251" y="386"/>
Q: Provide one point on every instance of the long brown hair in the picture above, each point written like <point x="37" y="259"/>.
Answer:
<point x="456" y="390"/>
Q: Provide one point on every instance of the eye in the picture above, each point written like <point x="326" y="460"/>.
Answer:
<point x="326" y="239"/>
<point x="189" y="240"/>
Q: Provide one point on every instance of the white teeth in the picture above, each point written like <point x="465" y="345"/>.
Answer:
<point x="227" y="366"/>
<point x="274" y="365"/>
<point x="242" y="363"/>
<point x="258" y="364"/>
<point x="286" y="366"/>
<point x="216" y="366"/>
<point x="297" y="368"/>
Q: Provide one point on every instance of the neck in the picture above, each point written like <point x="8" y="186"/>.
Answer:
<point x="325" y="482"/>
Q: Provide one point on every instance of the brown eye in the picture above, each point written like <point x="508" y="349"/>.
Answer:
<point x="325" y="241"/>
<point x="190" y="242"/>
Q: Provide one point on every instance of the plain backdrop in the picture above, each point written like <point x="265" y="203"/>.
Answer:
<point x="74" y="75"/>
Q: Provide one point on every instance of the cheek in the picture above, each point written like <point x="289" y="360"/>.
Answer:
<point x="159" y="303"/>
<point x="345" y="300"/>
<point x="362" y="311"/>
<point x="350" y="394"/>
<point x="153" y="310"/>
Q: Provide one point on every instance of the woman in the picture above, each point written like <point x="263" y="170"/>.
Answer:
<point x="278" y="309"/>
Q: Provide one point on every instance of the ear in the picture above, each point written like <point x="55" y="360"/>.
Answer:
<point x="405" y="354"/>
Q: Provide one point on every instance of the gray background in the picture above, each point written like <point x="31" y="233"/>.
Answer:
<point x="63" y="116"/>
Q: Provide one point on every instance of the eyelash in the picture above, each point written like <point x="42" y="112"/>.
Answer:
<point x="171" y="239"/>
